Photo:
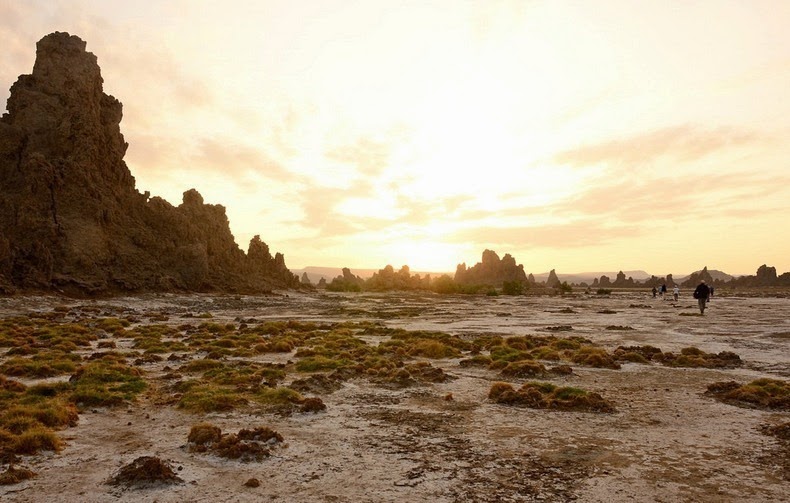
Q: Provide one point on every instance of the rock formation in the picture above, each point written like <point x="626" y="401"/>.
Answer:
<point x="348" y="282"/>
<point x="766" y="276"/>
<point x="694" y="279"/>
<point x="71" y="218"/>
<point x="491" y="271"/>
<point x="389" y="279"/>
<point x="553" y="280"/>
<point x="622" y="282"/>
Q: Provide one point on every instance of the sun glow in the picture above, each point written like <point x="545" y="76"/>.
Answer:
<point x="428" y="255"/>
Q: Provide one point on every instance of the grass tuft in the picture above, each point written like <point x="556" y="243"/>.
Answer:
<point x="761" y="393"/>
<point x="548" y="396"/>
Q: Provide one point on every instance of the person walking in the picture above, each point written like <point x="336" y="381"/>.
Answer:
<point x="701" y="293"/>
<point x="676" y="292"/>
<point x="663" y="291"/>
<point x="655" y="291"/>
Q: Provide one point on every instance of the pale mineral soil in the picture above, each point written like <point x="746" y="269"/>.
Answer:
<point x="667" y="441"/>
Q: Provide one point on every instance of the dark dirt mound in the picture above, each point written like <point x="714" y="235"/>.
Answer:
<point x="312" y="404"/>
<point x="145" y="471"/>
<point x="246" y="445"/>
<point x="204" y="433"/>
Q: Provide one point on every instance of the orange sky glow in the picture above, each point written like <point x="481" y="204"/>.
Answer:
<point x="576" y="136"/>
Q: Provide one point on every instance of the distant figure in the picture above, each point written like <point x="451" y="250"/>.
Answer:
<point x="676" y="292"/>
<point x="663" y="290"/>
<point x="654" y="292"/>
<point x="701" y="293"/>
<point x="711" y="293"/>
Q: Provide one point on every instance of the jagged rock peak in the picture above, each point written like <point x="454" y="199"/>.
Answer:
<point x="491" y="270"/>
<point x="70" y="215"/>
<point x="553" y="280"/>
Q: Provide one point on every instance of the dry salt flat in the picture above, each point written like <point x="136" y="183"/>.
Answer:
<point x="667" y="441"/>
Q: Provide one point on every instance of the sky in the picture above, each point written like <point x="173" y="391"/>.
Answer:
<point x="574" y="135"/>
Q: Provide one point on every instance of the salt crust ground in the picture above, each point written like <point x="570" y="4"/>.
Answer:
<point x="667" y="443"/>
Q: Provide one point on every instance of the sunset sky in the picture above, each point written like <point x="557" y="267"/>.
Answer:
<point x="576" y="136"/>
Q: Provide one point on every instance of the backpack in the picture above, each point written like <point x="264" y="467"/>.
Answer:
<point x="696" y="294"/>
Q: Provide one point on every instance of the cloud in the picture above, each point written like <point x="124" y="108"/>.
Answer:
<point x="420" y="212"/>
<point x="681" y="143"/>
<point x="18" y="53"/>
<point x="668" y="197"/>
<point x="568" y="235"/>
<point x="371" y="158"/>
<point x="237" y="160"/>
<point x="160" y="155"/>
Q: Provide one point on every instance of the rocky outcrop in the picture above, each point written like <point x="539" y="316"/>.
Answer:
<point x="491" y="271"/>
<point x="694" y="278"/>
<point x="766" y="276"/>
<point x="347" y="282"/>
<point x="388" y="279"/>
<point x="70" y="216"/>
<point x="553" y="280"/>
<point x="622" y="282"/>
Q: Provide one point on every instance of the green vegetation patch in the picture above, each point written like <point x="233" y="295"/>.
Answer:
<point x="29" y="416"/>
<point x="594" y="357"/>
<point x="320" y="363"/>
<point x="761" y="393"/>
<point x="422" y="343"/>
<point x="524" y="368"/>
<point x="156" y="338"/>
<point x="505" y="352"/>
<point x="695" y="357"/>
<point x="115" y="326"/>
<point x="32" y="333"/>
<point x="206" y="397"/>
<point x="44" y="347"/>
<point x="538" y="395"/>
<point x="245" y="375"/>
<point x="44" y="363"/>
<point x="105" y="384"/>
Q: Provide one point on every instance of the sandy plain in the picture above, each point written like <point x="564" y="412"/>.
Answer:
<point x="667" y="441"/>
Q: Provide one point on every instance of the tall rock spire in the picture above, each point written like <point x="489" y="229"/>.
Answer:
<point x="70" y="215"/>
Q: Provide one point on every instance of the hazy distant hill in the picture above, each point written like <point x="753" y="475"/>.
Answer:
<point x="587" y="277"/>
